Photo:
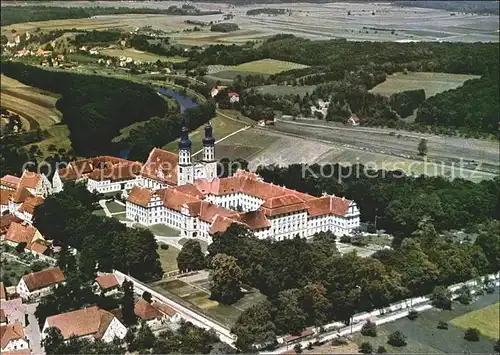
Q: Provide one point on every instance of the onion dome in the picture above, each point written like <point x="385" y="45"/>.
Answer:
<point x="184" y="143"/>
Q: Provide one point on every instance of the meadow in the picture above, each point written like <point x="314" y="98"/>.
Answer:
<point x="484" y="319"/>
<point x="168" y="258"/>
<point x="432" y="83"/>
<point x="281" y="90"/>
<point x="268" y="66"/>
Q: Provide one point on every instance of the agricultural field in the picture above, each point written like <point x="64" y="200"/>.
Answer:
<point x="484" y="319"/>
<point x="268" y="66"/>
<point x="424" y="337"/>
<point x="193" y="292"/>
<point x="222" y="127"/>
<point x="36" y="106"/>
<point x="432" y="83"/>
<point x="139" y="55"/>
<point x="58" y="136"/>
<point x="168" y="258"/>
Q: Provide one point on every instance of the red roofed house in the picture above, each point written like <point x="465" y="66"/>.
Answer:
<point x="233" y="97"/>
<point x="39" y="283"/>
<point x="90" y="323"/>
<point x="12" y="337"/>
<point x="107" y="284"/>
<point x="146" y="312"/>
<point x="353" y="120"/>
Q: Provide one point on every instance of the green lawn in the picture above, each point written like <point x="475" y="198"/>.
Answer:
<point x="281" y="90"/>
<point x="163" y="230"/>
<point x="168" y="258"/>
<point x="485" y="319"/>
<point x="432" y="83"/>
<point x="115" y="207"/>
<point x="99" y="212"/>
<point x="120" y="216"/>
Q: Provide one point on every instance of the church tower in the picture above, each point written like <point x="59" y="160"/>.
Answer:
<point x="209" y="160"/>
<point x="185" y="170"/>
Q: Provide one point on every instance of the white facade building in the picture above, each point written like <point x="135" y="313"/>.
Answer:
<point x="13" y="337"/>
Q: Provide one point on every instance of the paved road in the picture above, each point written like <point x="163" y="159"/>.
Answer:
<point x="102" y="203"/>
<point x="32" y="330"/>
<point x="172" y="241"/>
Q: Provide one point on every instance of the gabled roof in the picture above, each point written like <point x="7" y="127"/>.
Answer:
<point x="20" y="233"/>
<point x="255" y="220"/>
<point x="22" y="194"/>
<point x="29" y="180"/>
<point x="81" y="168"/>
<point x="163" y="308"/>
<point x="333" y="205"/>
<point x="161" y="166"/>
<point x="7" y="220"/>
<point x="106" y="282"/>
<point x="118" y="172"/>
<point x="3" y="317"/>
<point x="146" y="311"/>
<point x="82" y="322"/>
<point x="30" y="204"/>
<point x="10" y="181"/>
<point x="140" y="196"/>
<point x="5" y="196"/>
<point x="283" y="204"/>
<point x="206" y="211"/>
<point x="11" y="332"/>
<point x="44" y="278"/>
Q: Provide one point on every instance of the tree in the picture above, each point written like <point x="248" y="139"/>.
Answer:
<point x="472" y="334"/>
<point x="442" y="325"/>
<point x="290" y="317"/>
<point x="422" y="147"/>
<point x="146" y="296"/>
<point x="441" y="298"/>
<point x="488" y="241"/>
<point x="365" y="348"/>
<point x="465" y="296"/>
<point x="297" y="348"/>
<point x="496" y="347"/>
<point x="397" y="339"/>
<point x="20" y="247"/>
<point x="38" y="265"/>
<point x="369" y="329"/>
<point x="413" y="314"/>
<point x="191" y="257"/>
<point x="314" y="303"/>
<point x="381" y="349"/>
<point x="255" y="326"/>
<point x="144" y="339"/>
<point x="127" y="303"/>
<point x="225" y="279"/>
<point x="53" y="343"/>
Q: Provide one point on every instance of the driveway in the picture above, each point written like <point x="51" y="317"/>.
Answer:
<point x="32" y="330"/>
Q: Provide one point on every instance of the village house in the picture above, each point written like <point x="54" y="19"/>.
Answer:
<point x="25" y="233"/>
<point x="233" y="97"/>
<point x="353" y="120"/>
<point x="12" y="337"/>
<point x="38" y="284"/>
<point x="91" y="323"/>
<point x="14" y="311"/>
<point x="216" y="89"/>
<point x="168" y="312"/>
<point x="6" y="220"/>
<point x="106" y="284"/>
<point x="149" y="314"/>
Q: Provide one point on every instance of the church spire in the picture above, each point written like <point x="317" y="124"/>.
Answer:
<point x="185" y="142"/>
<point x="209" y="139"/>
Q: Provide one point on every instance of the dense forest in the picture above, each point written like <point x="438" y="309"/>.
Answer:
<point x="480" y="7"/>
<point x="397" y="202"/>
<point x="93" y="107"/>
<point x="310" y="283"/>
<point x="19" y="14"/>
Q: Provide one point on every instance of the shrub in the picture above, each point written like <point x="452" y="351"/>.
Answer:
<point x="345" y="239"/>
<point x="298" y="348"/>
<point x="397" y="339"/>
<point x="413" y="314"/>
<point x="472" y="334"/>
<point x="490" y="289"/>
<point x="496" y="347"/>
<point x="340" y="341"/>
<point x="369" y="329"/>
<point x="365" y="348"/>
<point x="147" y="296"/>
<point x="20" y="247"/>
<point x="441" y="298"/>
<point x="465" y="296"/>
<point x="164" y="246"/>
<point x="38" y="265"/>
<point x="381" y="349"/>
<point x="309" y="346"/>
<point x="442" y="325"/>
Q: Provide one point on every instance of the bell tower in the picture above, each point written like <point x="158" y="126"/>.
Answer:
<point x="185" y="170"/>
<point x="209" y="160"/>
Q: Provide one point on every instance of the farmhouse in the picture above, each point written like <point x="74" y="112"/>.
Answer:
<point x="149" y="314"/>
<point x="14" y="310"/>
<point x="200" y="206"/>
<point x="90" y="323"/>
<point x="39" y="283"/>
<point x="233" y="97"/>
<point x="12" y="337"/>
<point x="107" y="284"/>
<point x="353" y="120"/>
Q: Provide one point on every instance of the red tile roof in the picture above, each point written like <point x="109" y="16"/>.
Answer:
<point x="146" y="311"/>
<point x="11" y="332"/>
<point x="161" y="166"/>
<point x="3" y="317"/>
<point x="254" y="220"/>
<point x="22" y="194"/>
<point x="106" y="282"/>
<point x="163" y="308"/>
<point x="282" y="205"/>
<point x="82" y="322"/>
<point x="5" y="196"/>
<point x="118" y="172"/>
<point x="81" y="168"/>
<point x="29" y="180"/>
<point x="17" y="352"/>
<point x="30" y="204"/>
<point x="140" y="196"/>
<point x="303" y="334"/>
<point x="20" y="233"/>
<point x="7" y="220"/>
<point x="44" y="278"/>
<point x="328" y="205"/>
